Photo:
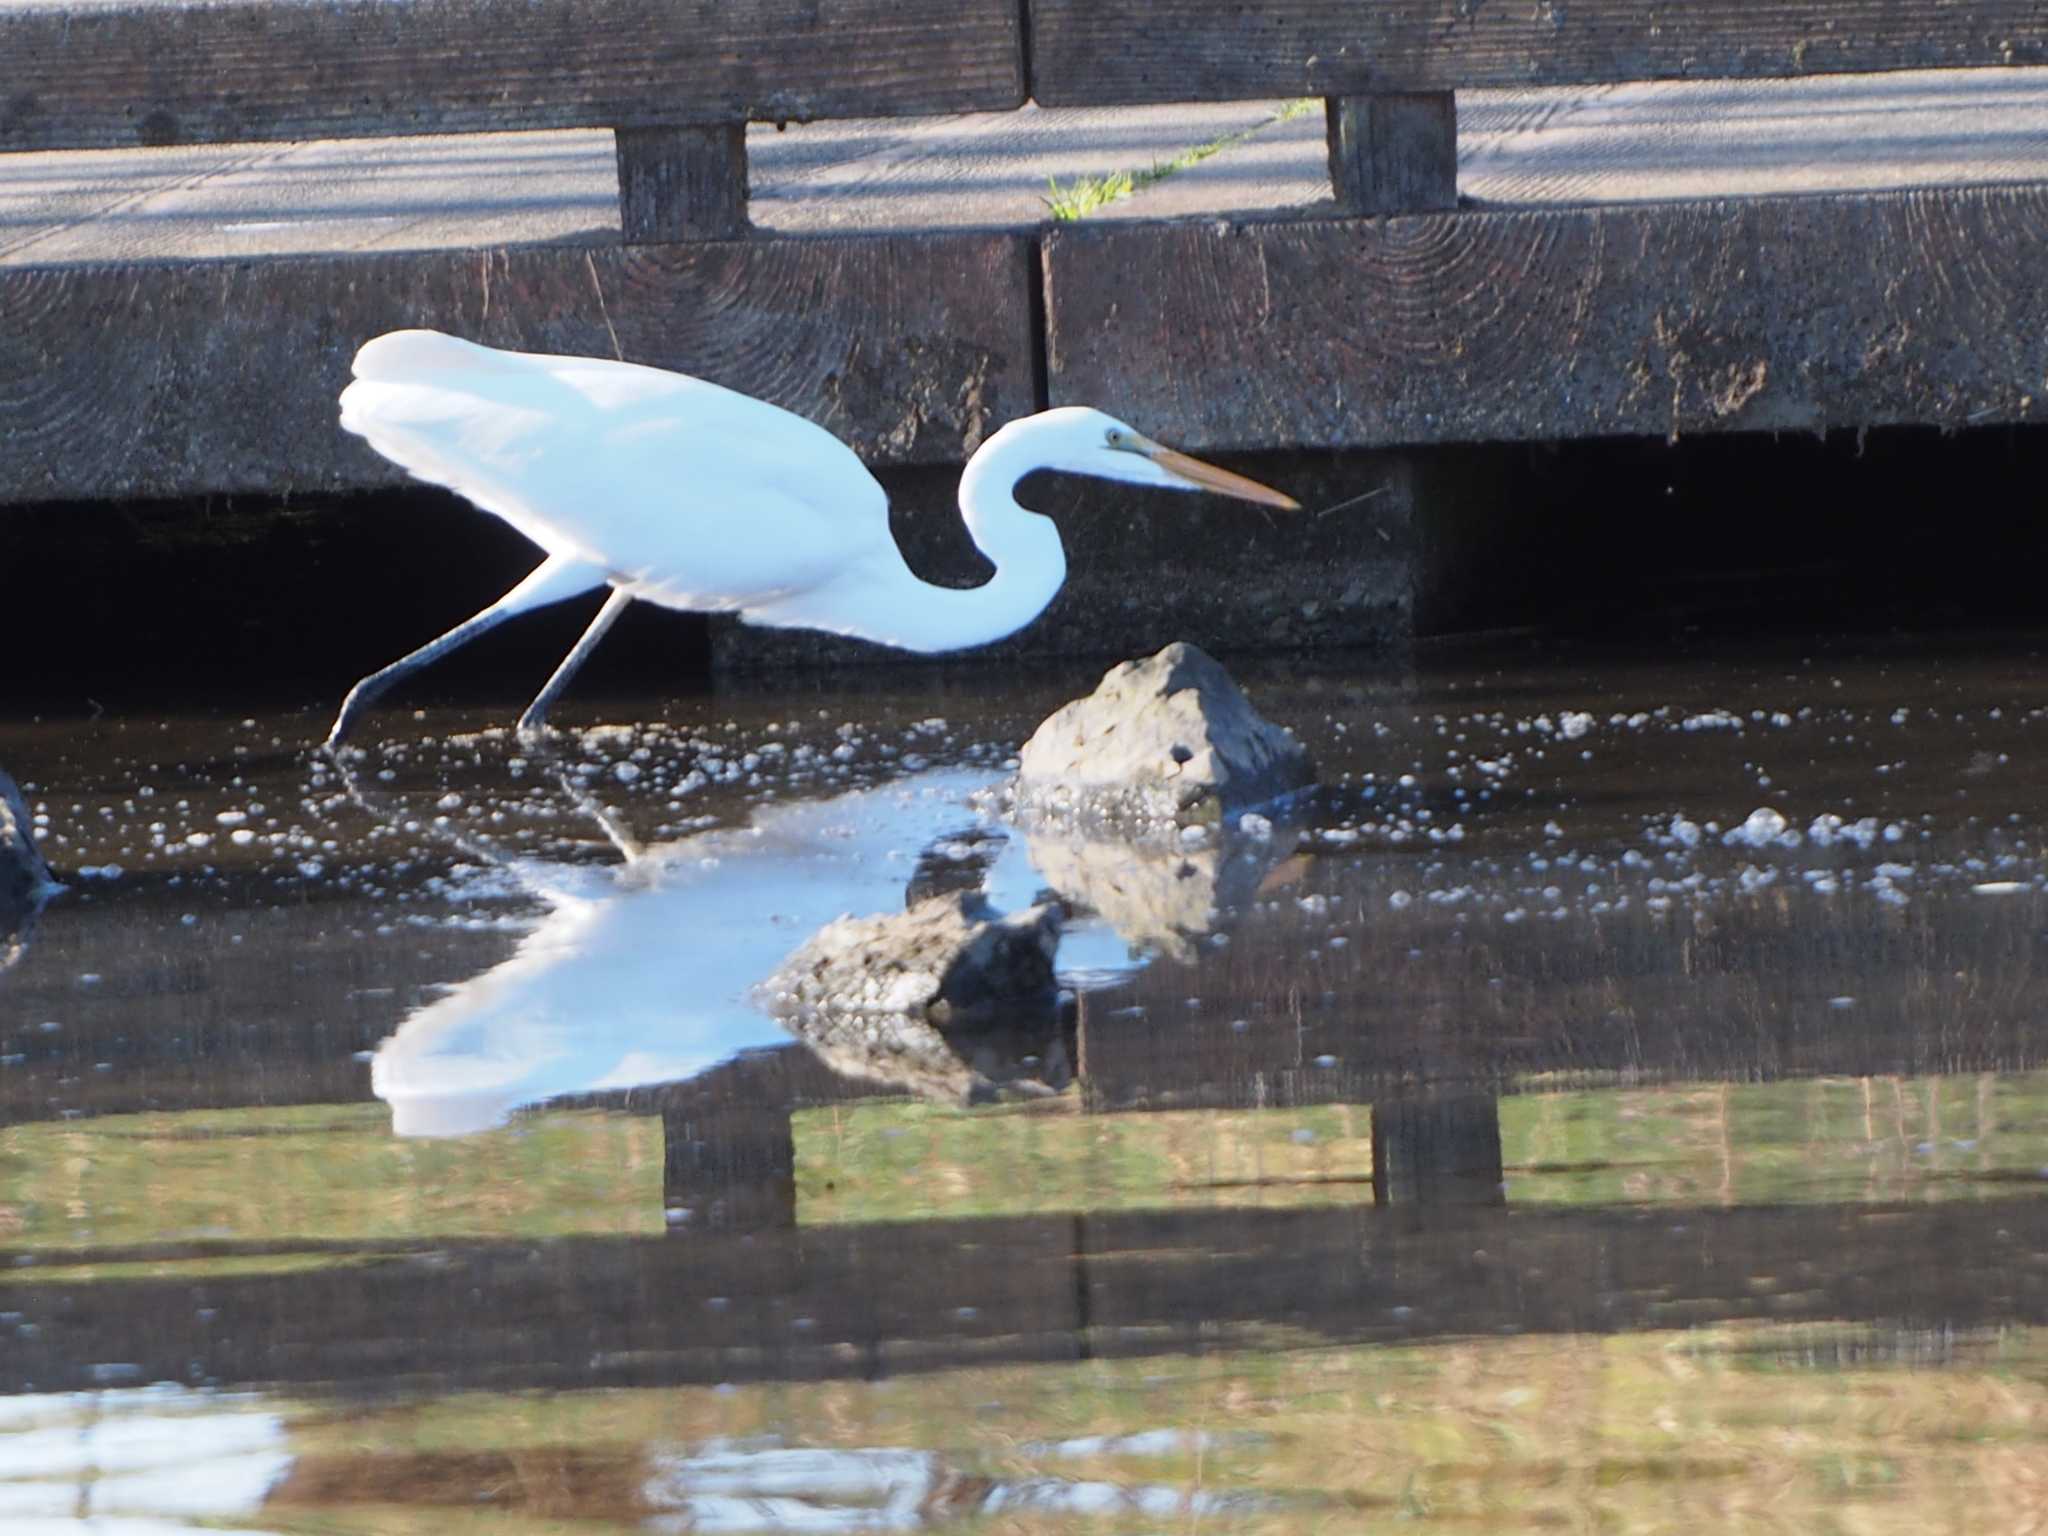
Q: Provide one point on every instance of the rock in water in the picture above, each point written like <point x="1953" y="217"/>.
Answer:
<point x="944" y="998"/>
<point x="1169" y="739"/>
<point x="1162" y="897"/>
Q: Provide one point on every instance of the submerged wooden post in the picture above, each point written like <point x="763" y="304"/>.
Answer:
<point x="1440" y="1150"/>
<point x="1394" y="153"/>
<point x="682" y="183"/>
<point x="728" y="1168"/>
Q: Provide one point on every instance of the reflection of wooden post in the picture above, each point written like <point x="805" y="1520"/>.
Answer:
<point x="1081" y="1040"/>
<point x="1441" y="1150"/>
<point x="1084" y="1082"/>
<point x="730" y="1167"/>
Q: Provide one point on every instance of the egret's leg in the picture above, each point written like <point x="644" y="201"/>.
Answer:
<point x="616" y="832"/>
<point x="367" y="692"/>
<point x="550" y="582"/>
<point x="534" y="721"/>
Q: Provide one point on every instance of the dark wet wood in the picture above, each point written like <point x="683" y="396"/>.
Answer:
<point x="1769" y="315"/>
<point x="118" y="74"/>
<point x="728" y="1169"/>
<point x="1414" y="1004"/>
<point x="682" y="183"/>
<point x="222" y="376"/>
<point x="862" y="1301"/>
<point x="1105" y="52"/>
<point x="1627" y="1000"/>
<point x="1437" y="1150"/>
<point x="1395" y="153"/>
<point x="728" y="1148"/>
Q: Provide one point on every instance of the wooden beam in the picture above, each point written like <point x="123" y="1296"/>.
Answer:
<point x="1395" y="153"/>
<point x="682" y="183"/>
<point x="135" y="72"/>
<point x="1109" y="52"/>
<point x="898" y="1296"/>
<point x="154" y="380"/>
<point x="1437" y="1149"/>
<point x="730" y="1171"/>
<point x="1780" y="314"/>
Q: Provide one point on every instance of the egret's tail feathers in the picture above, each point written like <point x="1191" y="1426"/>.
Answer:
<point x="390" y="414"/>
<point x="404" y="356"/>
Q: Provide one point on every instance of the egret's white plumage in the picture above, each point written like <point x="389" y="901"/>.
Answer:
<point x="680" y="492"/>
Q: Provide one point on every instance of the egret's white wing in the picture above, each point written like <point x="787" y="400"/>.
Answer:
<point x="686" y="493"/>
<point x="403" y="357"/>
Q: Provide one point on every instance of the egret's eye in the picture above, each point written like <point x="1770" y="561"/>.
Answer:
<point x="1117" y="437"/>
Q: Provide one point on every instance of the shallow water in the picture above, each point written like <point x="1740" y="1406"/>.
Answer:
<point x="1616" y="1096"/>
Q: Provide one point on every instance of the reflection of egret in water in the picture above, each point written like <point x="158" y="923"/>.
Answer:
<point x="26" y="885"/>
<point x="774" y="1488"/>
<point x="645" y="973"/>
<point x="641" y="973"/>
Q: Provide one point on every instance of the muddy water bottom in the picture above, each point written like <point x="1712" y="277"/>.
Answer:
<point x="1616" y="1095"/>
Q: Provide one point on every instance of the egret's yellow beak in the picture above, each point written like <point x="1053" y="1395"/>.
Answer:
<point x="1210" y="478"/>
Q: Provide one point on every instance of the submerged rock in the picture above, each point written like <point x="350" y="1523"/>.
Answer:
<point x="1163" y="898"/>
<point x="956" y="863"/>
<point x="945" y="998"/>
<point x="25" y="882"/>
<point x="1166" y="740"/>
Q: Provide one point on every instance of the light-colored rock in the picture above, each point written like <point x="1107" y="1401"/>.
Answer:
<point x="1162" y="898"/>
<point x="1169" y="740"/>
<point x="946" y="998"/>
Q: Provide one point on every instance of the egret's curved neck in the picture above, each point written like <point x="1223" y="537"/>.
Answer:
<point x="1023" y="546"/>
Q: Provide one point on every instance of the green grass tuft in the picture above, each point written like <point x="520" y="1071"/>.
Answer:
<point x="1070" y="201"/>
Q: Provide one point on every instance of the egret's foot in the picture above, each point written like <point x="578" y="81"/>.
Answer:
<point x="344" y="718"/>
<point x="343" y="754"/>
<point x="533" y="724"/>
<point x="357" y="704"/>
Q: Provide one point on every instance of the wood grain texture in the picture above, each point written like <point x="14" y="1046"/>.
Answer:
<point x="136" y="72"/>
<point x="1784" y="314"/>
<point x="170" y="380"/>
<point x="1395" y="153"/>
<point x="1103" y="52"/>
<point x="682" y="183"/>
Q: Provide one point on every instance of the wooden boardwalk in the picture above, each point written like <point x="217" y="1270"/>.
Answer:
<point x="202" y="216"/>
<point x="1538" y="148"/>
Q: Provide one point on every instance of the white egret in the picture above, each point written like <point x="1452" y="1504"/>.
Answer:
<point x="680" y="492"/>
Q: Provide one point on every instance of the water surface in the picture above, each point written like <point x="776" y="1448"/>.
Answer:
<point x="1616" y="1096"/>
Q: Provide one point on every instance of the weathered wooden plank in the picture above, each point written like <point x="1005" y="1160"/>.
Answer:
<point x="166" y="380"/>
<point x="1394" y="153"/>
<point x="1108" y="52"/>
<point x="1778" y="314"/>
<point x="576" y="1312"/>
<point x="137" y="72"/>
<point x="682" y="183"/>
